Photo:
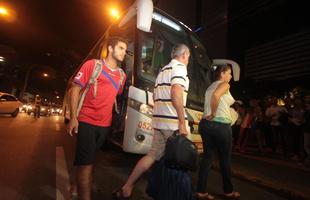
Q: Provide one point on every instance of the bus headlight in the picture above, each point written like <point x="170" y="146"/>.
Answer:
<point x="141" y="107"/>
<point x="146" y="109"/>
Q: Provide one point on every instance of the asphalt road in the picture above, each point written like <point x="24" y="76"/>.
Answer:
<point x="36" y="161"/>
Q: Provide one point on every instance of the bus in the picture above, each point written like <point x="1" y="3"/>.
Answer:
<point x="151" y="34"/>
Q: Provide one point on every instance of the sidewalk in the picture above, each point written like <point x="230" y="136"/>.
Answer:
<point x="286" y="178"/>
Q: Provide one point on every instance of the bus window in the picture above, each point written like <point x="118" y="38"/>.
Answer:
<point x="147" y="70"/>
<point x="155" y="51"/>
<point x="158" y="55"/>
<point x="198" y="75"/>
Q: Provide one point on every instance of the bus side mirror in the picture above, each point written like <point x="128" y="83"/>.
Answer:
<point x="144" y="14"/>
<point x="235" y="67"/>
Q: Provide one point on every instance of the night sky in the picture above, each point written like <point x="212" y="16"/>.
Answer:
<point x="54" y="36"/>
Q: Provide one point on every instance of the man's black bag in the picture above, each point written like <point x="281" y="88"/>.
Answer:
<point x="180" y="153"/>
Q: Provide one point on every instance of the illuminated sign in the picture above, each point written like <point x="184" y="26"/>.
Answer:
<point x="166" y="21"/>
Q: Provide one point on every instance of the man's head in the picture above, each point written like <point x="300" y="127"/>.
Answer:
<point x="116" y="48"/>
<point x="181" y="53"/>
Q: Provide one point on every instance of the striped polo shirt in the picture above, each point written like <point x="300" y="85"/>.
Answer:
<point x="164" y="113"/>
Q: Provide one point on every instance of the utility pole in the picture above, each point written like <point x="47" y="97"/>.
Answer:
<point x="21" y="95"/>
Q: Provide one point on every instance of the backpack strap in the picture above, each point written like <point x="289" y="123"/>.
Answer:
<point x="93" y="80"/>
<point x="122" y="76"/>
<point x="121" y="79"/>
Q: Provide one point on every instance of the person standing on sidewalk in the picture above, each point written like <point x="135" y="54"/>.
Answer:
<point x="93" y="122"/>
<point x="279" y="133"/>
<point x="169" y="96"/>
<point x="215" y="130"/>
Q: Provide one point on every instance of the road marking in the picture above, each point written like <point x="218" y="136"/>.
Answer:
<point x="62" y="175"/>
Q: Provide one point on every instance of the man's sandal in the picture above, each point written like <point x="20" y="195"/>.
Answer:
<point x="204" y="196"/>
<point x="232" y="195"/>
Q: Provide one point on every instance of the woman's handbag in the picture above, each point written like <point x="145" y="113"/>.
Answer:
<point x="180" y="153"/>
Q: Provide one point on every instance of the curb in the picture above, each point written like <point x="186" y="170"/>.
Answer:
<point x="283" y="192"/>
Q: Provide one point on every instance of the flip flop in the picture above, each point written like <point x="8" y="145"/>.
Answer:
<point x="232" y="195"/>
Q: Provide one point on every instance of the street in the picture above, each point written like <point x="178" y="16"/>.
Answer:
<point x="37" y="159"/>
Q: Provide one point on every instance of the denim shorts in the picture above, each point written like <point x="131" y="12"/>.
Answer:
<point x="159" y="143"/>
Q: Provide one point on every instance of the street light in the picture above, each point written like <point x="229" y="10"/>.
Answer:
<point x="45" y="74"/>
<point x="4" y="11"/>
<point x="115" y="13"/>
<point x="7" y="13"/>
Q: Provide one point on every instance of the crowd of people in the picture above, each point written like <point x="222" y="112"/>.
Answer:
<point x="274" y="128"/>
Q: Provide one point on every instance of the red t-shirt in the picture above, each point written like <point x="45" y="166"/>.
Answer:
<point x="98" y="111"/>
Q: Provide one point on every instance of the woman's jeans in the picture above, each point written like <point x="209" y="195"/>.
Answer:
<point x="215" y="135"/>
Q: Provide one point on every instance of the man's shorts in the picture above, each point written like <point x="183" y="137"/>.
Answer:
<point x="159" y="143"/>
<point x="89" y="139"/>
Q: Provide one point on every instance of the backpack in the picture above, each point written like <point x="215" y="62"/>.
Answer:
<point x="93" y="81"/>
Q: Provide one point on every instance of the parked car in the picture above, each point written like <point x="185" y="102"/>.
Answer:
<point x="9" y="104"/>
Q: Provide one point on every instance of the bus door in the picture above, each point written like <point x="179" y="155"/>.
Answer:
<point x="153" y="52"/>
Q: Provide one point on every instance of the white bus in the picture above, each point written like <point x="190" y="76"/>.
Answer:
<point x="151" y="34"/>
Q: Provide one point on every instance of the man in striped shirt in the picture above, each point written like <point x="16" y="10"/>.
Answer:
<point x="170" y="95"/>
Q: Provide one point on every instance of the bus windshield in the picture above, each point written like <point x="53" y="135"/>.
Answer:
<point x="198" y="74"/>
<point x="153" y="52"/>
<point x="155" y="48"/>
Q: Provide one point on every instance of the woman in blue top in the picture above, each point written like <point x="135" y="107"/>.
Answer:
<point x="215" y="130"/>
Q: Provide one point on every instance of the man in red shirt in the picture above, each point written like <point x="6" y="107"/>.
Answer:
<point x="94" y="119"/>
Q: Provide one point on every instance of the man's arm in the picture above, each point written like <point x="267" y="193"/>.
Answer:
<point x="177" y="102"/>
<point x="74" y="100"/>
